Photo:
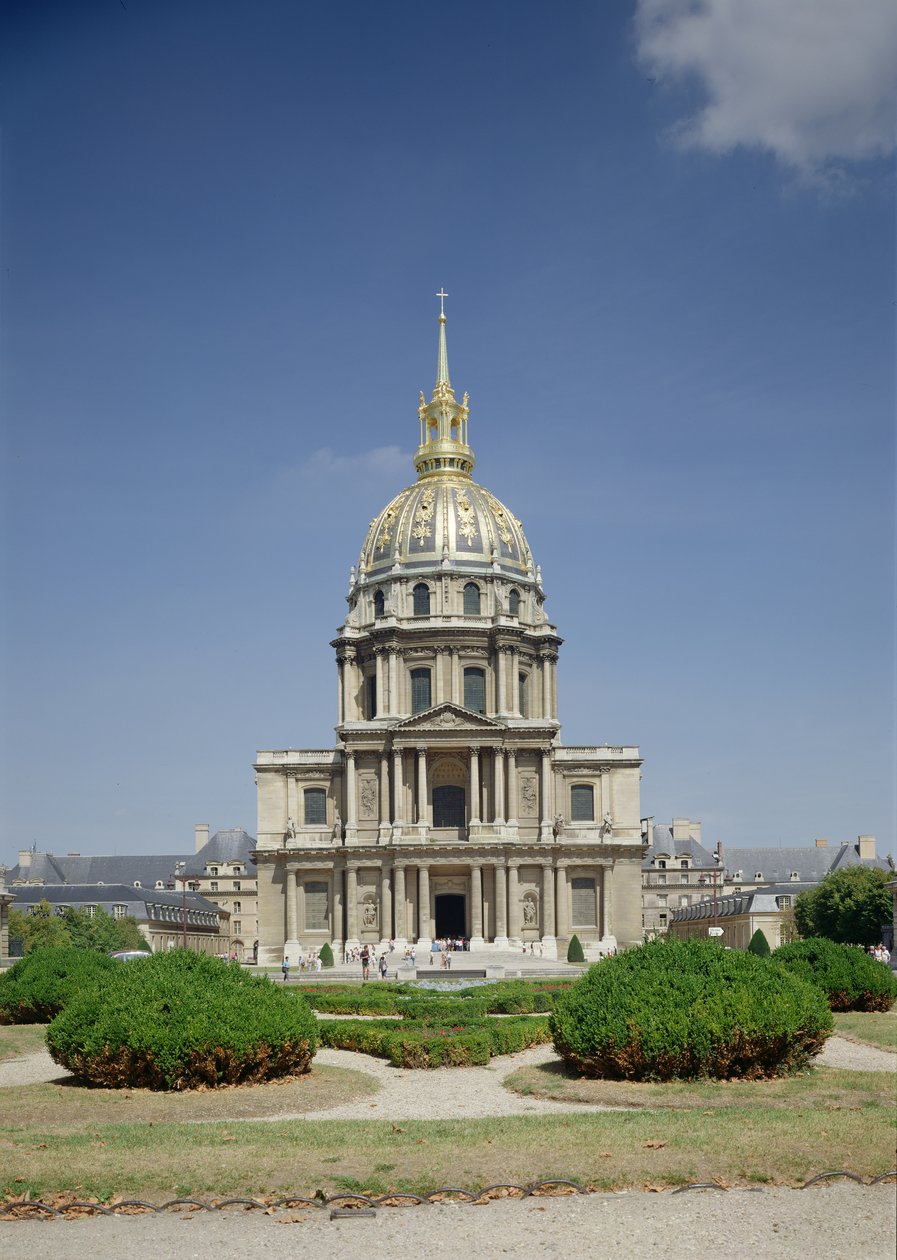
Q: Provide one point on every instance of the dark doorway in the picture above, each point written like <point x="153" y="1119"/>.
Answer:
<point x="448" y="806"/>
<point x="450" y="917"/>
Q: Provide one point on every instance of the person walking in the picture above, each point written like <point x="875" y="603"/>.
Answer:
<point x="365" y="963"/>
<point x="285" y="968"/>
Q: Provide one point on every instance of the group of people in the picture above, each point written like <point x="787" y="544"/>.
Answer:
<point x="880" y="953"/>
<point x="309" y="962"/>
<point x="446" y="944"/>
<point x="368" y="958"/>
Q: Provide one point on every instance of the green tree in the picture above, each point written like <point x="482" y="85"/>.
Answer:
<point x="848" y="906"/>
<point x="759" y="944"/>
<point x="101" y="931"/>
<point x="41" y="929"/>
<point x="574" y="950"/>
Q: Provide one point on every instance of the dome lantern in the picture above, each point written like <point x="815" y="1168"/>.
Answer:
<point x="443" y="421"/>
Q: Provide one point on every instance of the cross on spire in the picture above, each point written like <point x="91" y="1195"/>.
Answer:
<point x="442" y="295"/>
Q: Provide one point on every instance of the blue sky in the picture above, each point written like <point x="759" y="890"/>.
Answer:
<point x="667" y="233"/>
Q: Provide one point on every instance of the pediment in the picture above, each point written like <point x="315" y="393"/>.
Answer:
<point x="448" y="717"/>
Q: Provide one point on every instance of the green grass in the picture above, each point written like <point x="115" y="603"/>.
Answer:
<point x="19" y="1039"/>
<point x="878" y="1028"/>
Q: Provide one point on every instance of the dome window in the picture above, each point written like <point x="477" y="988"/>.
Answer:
<point x="379" y="604"/>
<point x="471" y="600"/>
<point x="475" y="690"/>
<point x="421" y="595"/>
<point x="420" y="690"/>
<point x="514" y="603"/>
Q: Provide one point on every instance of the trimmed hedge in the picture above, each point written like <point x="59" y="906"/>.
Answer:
<point x="181" y="1021"/>
<point x="38" y="986"/>
<point x="685" y="1009"/>
<point x="423" y="1044"/>
<point x="574" y="950"/>
<point x="325" y="953"/>
<point x="504" y="997"/>
<point x="759" y="945"/>
<point x="850" y="979"/>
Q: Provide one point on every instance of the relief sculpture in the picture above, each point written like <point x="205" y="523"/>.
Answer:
<point x="528" y="796"/>
<point x="368" y="798"/>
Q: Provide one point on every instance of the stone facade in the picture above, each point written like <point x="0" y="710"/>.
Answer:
<point x="449" y="806"/>
<point x="677" y="871"/>
<point x="222" y="871"/>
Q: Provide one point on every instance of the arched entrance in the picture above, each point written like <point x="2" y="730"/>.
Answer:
<point x="451" y="914"/>
<point x="448" y="806"/>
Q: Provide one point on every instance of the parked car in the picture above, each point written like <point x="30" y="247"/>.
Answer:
<point x="129" y="955"/>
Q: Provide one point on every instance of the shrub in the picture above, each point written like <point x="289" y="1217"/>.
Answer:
<point x="759" y="945"/>
<point x="325" y="953"/>
<point x="686" y="1009"/>
<point x="182" y="1020"/>
<point x="574" y="950"/>
<point x="39" y="985"/>
<point x="428" y="1044"/>
<point x="850" y="979"/>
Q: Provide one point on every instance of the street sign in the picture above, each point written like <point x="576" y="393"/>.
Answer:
<point x="714" y="931"/>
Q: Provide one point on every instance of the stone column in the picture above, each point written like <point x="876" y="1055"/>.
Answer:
<point x="380" y="698"/>
<point x="499" y="761"/>
<point x="546" y="687"/>
<point x="456" y="677"/>
<point x="500" y="658"/>
<point x="549" y="939"/>
<point x="351" y="906"/>
<point x="512" y="788"/>
<point x="514" y="706"/>
<point x="398" y="791"/>
<point x="554" y="686"/>
<point x="424" y="940"/>
<point x="292" y="939"/>
<point x="394" y="703"/>
<point x="513" y="905"/>
<point x="340" y="690"/>
<point x="545" y="820"/>
<point x="423" y="814"/>
<point x="384" y="797"/>
<point x="351" y="802"/>
<point x="385" y="905"/>
<point x="438" y="690"/>
<point x="607" y="893"/>
<point x="562" y="913"/>
<point x="501" y="907"/>
<point x="476" y="907"/>
<point x="474" y="816"/>
<point x="336" y="915"/>
<point x="399" y="908"/>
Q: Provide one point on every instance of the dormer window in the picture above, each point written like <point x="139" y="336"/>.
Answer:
<point x="794" y="876"/>
<point x="758" y="875"/>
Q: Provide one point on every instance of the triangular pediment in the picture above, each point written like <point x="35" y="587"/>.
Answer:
<point x="448" y="717"/>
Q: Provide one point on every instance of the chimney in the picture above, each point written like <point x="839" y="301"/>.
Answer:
<point x="25" y="859"/>
<point x="695" y="829"/>
<point x="202" y="835"/>
<point x="681" y="828"/>
<point x="648" y="831"/>
<point x="821" y="844"/>
<point x="866" y="847"/>
<point x="719" y="851"/>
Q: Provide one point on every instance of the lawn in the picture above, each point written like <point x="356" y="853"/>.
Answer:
<point x="878" y="1028"/>
<point x="19" y="1039"/>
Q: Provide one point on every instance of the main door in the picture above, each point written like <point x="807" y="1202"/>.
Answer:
<point x="451" y="917"/>
<point x="448" y="806"/>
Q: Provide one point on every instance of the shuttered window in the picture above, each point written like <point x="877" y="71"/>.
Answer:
<point x="420" y="690"/>
<point x="315" y="806"/>
<point x="584" y="904"/>
<point x="582" y="803"/>
<point x="475" y="690"/>
<point x="316" y="906"/>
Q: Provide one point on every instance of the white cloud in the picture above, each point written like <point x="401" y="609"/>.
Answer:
<point x="813" y="82"/>
<point x="326" y="464"/>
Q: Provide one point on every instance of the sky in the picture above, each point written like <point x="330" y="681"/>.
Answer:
<point x="666" y="228"/>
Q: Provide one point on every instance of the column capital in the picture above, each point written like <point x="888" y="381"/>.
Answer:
<point x="349" y="754"/>
<point x="474" y="752"/>
<point x="421" y="750"/>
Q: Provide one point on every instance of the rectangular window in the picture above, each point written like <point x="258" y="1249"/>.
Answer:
<point x="521" y="694"/>
<point x="420" y="690"/>
<point x="661" y="879"/>
<point x="213" y="870"/>
<point x="475" y="690"/>
<point x="119" y="912"/>
<point x="582" y="803"/>
<point x="238" y="926"/>
<point x="316" y="906"/>
<point x="213" y="887"/>
<point x="315" y="807"/>
<point x="584" y="903"/>
<point x="237" y="907"/>
<point x="235" y="884"/>
<point x="372" y="696"/>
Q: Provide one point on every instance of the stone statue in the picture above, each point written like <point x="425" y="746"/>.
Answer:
<point x="291" y="829"/>
<point x="607" y="823"/>
<point x="337" y="832"/>
<point x="369" y="914"/>
<point x="557" y="826"/>
<point x="529" y="913"/>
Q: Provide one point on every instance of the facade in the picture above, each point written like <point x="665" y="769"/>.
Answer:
<point x="804" y="865"/>
<point x="677" y="871"/>
<point x="737" y="917"/>
<point x="448" y="807"/>
<point x="222" y="871"/>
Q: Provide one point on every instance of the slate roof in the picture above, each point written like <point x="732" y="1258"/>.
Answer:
<point x="145" y="869"/>
<point x="233" y="844"/>
<point x="135" y="899"/>
<point x="812" y="864"/>
<point x="665" y="846"/>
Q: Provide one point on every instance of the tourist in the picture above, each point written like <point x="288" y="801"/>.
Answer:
<point x="285" y="968"/>
<point x="382" y="966"/>
<point x="365" y="963"/>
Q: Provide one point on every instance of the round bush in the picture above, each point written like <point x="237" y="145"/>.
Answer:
<point x="39" y="985"/>
<point x="180" y="1021"/>
<point x="850" y="979"/>
<point x="686" y="1009"/>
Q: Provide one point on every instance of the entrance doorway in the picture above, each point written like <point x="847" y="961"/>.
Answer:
<point x="451" y="919"/>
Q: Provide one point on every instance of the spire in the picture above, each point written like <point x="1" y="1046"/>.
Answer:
<point x="442" y="372"/>
<point x="443" y="420"/>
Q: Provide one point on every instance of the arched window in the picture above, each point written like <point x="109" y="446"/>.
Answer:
<point x="421" y="594"/>
<point x="420" y="690"/>
<point x="471" y="600"/>
<point x="582" y="803"/>
<point x="379" y="603"/>
<point x="475" y="690"/>
<point x="372" y="695"/>
<point x="314" y="807"/>
<point x="521" y="694"/>
<point x="514" y="603"/>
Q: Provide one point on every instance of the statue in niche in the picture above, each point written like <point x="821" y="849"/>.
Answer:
<point x="557" y="827"/>
<point x="529" y="913"/>
<point x="337" y="832"/>
<point x="291" y="829"/>
<point x="369" y="915"/>
<point x="368" y="798"/>
<point x="528" y="796"/>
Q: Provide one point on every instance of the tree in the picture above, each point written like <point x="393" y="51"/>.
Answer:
<point x="43" y="928"/>
<point x="574" y="950"/>
<point x="759" y="944"/>
<point x="848" y="906"/>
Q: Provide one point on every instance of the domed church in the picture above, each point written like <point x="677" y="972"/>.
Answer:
<point x="449" y="806"/>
